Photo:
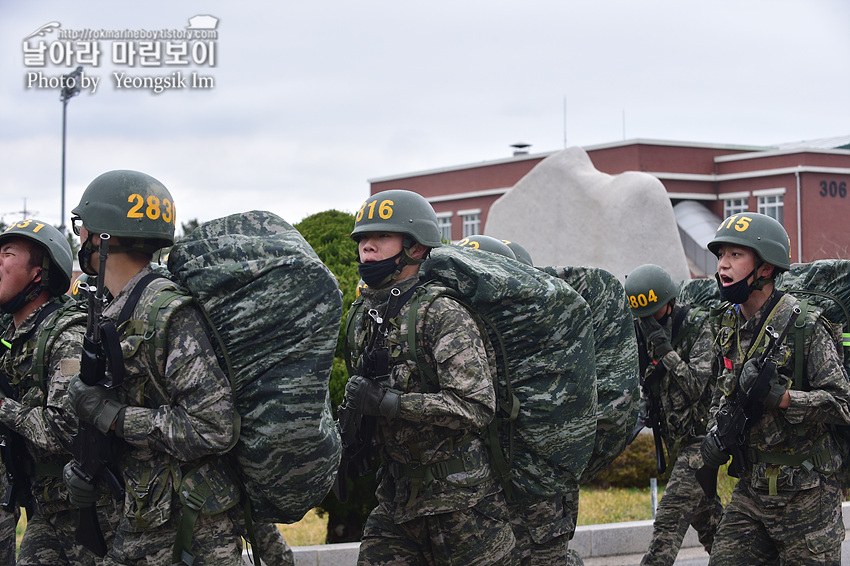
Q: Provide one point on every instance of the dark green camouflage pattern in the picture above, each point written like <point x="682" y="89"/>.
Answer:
<point x="277" y="308"/>
<point x="550" y="360"/>
<point x="616" y="361"/>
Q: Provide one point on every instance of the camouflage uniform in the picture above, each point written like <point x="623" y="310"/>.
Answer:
<point x="425" y="516"/>
<point x="271" y="546"/>
<point x="787" y="513"/>
<point x="46" y="421"/>
<point x="686" y="393"/>
<point x="173" y="425"/>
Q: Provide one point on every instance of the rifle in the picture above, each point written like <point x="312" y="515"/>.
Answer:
<point x="357" y="431"/>
<point x="650" y="385"/>
<point x="94" y="452"/>
<point x="14" y="453"/>
<point x="735" y="420"/>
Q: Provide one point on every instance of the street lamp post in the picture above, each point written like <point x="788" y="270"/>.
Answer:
<point x="70" y="89"/>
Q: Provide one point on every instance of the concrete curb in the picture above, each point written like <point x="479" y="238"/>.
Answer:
<point x="591" y="541"/>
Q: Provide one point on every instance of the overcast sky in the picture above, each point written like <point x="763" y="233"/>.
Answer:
<point x="312" y="99"/>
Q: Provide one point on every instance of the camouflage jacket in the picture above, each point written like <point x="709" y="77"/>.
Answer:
<point x="434" y="426"/>
<point x="803" y="429"/>
<point x="42" y="414"/>
<point x="688" y="384"/>
<point x="173" y="422"/>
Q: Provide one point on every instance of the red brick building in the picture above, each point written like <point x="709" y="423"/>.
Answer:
<point x="805" y="186"/>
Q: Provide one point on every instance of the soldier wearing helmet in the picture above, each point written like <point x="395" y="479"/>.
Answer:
<point x="487" y="244"/>
<point x="437" y="478"/>
<point x="786" y="506"/>
<point x="175" y="418"/>
<point x="677" y="382"/>
<point x="41" y="353"/>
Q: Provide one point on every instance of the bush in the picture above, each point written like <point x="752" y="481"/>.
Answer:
<point x="634" y="466"/>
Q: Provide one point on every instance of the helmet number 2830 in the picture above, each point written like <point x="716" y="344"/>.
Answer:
<point x="385" y="210"/>
<point x="153" y="210"/>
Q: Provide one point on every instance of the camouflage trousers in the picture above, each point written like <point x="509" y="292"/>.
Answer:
<point x="683" y="504"/>
<point x="271" y="546"/>
<point x="543" y="529"/>
<point x="8" y="526"/>
<point x="49" y="538"/>
<point x="478" y="536"/>
<point x="799" y="528"/>
<point x="216" y="540"/>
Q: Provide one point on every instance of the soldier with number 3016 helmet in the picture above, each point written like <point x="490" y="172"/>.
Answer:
<point x="439" y="501"/>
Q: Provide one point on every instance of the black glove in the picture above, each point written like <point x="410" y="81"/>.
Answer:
<point x="80" y="492"/>
<point x="712" y="455"/>
<point x="94" y="404"/>
<point x="369" y="397"/>
<point x="656" y="335"/>
<point x="749" y="373"/>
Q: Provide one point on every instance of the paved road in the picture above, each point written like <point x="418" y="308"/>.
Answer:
<point x="687" y="557"/>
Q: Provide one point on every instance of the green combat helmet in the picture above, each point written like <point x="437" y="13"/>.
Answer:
<point x="520" y="252"/>
<point x="487" y="244"/>
<point x="401" y="212"/>
<point x="648" y="288"/>
<point x="57" y="264"/>
<point x="129" y="205"/>
<point x="765" y="235"/>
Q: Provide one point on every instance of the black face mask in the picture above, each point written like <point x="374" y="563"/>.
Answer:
<point x="736" y="293"/>
<point x="84" y="256"/>
<point x="378" y="273"/>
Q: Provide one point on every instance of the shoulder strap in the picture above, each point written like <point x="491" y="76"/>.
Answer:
<point x="678" y="323"/>
<point x="49" y="333"/>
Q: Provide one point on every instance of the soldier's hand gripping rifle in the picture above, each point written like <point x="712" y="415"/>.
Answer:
<point x="650" y="386"/>
<point x="93" y="451"/>
<point x="356" y="431"/>
<point x="730" y="435"/>
<point x="14" y="453"/>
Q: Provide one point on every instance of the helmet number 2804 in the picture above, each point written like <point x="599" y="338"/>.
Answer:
<point x="154" y="209"/>
<point x="637" y="301"/>
<point x="385" y="210"/>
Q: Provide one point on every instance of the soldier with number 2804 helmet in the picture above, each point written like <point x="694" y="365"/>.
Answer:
<point x="439" y="501"/>
<point x="678" y="380"/>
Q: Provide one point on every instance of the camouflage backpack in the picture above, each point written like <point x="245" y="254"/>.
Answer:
<point x="274" y="309"/>
<point x="616" y="361"/>
<point x="542" y="436"/>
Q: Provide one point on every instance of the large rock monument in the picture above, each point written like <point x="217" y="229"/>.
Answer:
<point x="566" y="212"/>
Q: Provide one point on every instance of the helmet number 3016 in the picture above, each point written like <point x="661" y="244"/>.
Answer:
<point x="637" y="301"/>
<point x="154" y="209"/>
<point x="385" y="210"/>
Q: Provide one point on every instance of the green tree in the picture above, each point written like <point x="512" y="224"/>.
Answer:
<point x="327" y="232"/>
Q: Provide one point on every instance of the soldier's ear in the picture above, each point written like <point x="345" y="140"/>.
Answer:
<point x="417" y="251"/>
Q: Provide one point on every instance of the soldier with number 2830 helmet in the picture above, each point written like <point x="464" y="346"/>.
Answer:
<point x="439" y="501"/>
<point x="173" y="412"/>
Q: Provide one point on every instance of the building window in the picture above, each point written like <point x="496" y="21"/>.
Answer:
<point x="471" y="223"/>
<point x="734" y="206"/>
<point x="773" y="206"/>
<point x="444" y="222"/>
